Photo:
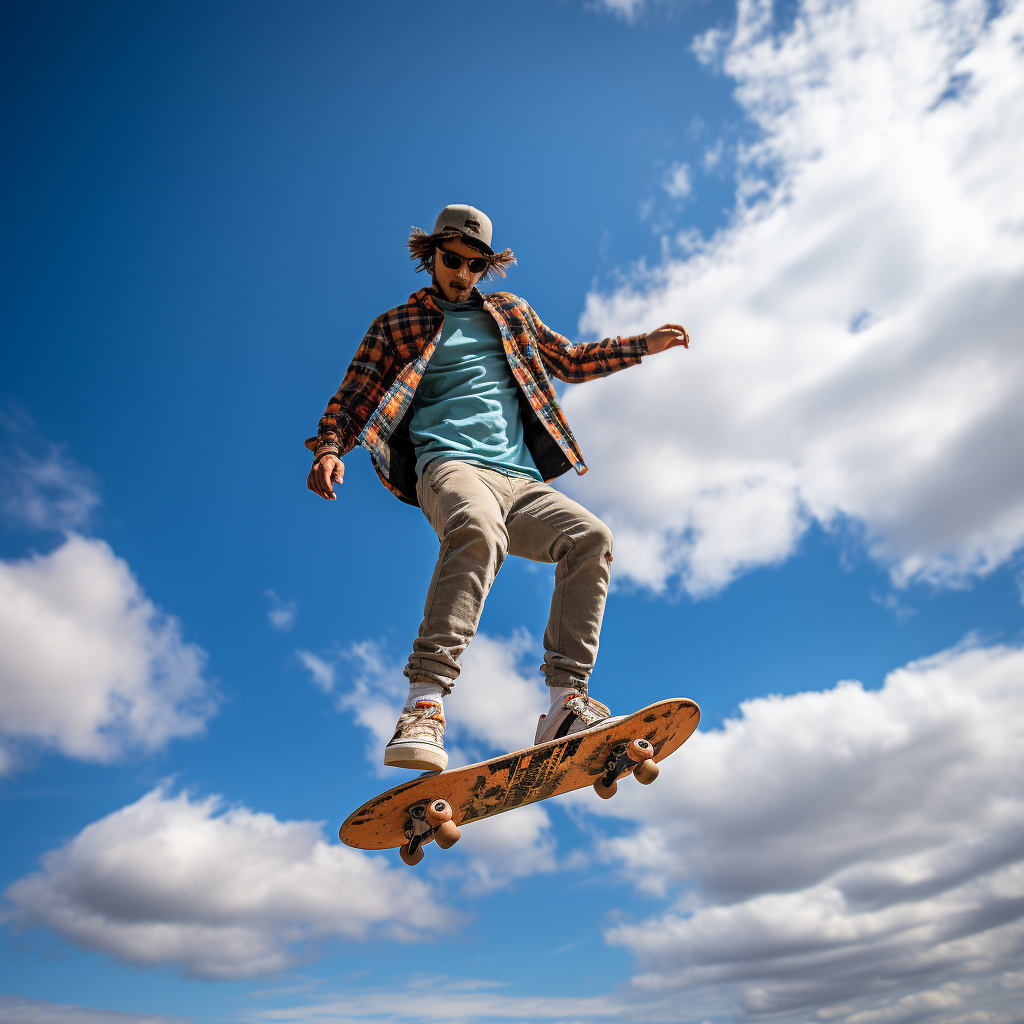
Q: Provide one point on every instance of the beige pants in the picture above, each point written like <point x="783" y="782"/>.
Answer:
<point x="480" y="516"/>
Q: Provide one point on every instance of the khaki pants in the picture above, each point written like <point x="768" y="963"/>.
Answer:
<point x="480" y="516"/>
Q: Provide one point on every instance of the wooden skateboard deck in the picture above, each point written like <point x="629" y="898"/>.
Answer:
<point x="524" y="777"/>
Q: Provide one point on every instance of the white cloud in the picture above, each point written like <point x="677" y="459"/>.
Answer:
<point x="223" y="893"/>
<point x="15" y="1010"/>
<point x="856" y="355"/>
<point x="281" y="614"/>
<point x="90" y="666"/>
<point x="493" y="709"/>
<point x="449" y="1000"/>
<point x="44" y="491"/>
<point x="677" y="181"/>
<point x="858" y="854"/>
<point x="503" y="848"/>
<point x="625" y="9"/>
<point x="713" y="156"/>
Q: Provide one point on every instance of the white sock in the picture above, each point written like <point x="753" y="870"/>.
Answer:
<point x="425" y="688"/>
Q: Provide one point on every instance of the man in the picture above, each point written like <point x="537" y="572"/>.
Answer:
<point x="450" y="394"/>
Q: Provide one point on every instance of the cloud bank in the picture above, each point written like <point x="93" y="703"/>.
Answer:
<point x="856" y="355"/>
<point x="90" y="667"/>
<point x="856" y="854"/>
<point x="222" y="893"/>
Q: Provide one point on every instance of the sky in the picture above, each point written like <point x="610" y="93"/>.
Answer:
<point x="818" y="510"/>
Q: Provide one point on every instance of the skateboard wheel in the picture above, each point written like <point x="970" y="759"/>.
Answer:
<point x="410" y="858"/>
<point x="639" y="750"/>
<point x="447" y="835"/>
<point x="603" y="791"/>
<point x="438" y="812"/>
<point x="646" y="772"/>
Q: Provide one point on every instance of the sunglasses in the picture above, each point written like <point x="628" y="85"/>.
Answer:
<point x="452" y="260"/>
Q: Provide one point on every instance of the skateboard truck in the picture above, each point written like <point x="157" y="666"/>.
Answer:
<point x="429" y="820"/>
<point x="636" y="756"/>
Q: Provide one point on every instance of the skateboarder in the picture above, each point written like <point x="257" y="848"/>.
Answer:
<point x="451" y="395"/>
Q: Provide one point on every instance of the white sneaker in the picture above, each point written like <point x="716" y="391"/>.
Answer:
<point x="576" y="714"/>
<point x="418" y="742"/>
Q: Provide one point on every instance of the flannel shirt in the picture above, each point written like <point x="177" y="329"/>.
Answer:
<point x="373" y="406"/>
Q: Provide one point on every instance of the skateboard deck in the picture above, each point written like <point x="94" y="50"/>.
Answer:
<point x="405" y="815"/>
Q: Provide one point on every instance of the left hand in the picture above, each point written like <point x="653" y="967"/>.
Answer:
<point x="667" y="336"/>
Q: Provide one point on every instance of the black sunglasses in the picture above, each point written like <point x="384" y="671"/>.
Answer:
<point x="452" y="260"/>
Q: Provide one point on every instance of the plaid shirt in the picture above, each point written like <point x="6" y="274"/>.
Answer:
<point x="374" y="403"/>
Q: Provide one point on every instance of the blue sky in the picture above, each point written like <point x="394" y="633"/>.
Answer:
<point x="207" y="207"/>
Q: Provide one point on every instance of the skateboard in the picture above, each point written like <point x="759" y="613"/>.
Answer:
<point x="434" y="805"/>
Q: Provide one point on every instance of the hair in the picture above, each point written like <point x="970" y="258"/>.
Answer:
<point x="422" y="246"/>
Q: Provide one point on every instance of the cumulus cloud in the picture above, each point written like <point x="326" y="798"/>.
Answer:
<point x="501" y="849"/>
<point x="858" y="854"/>
<point x="223" y="893"/>
<point x="493" y="709"/>
<point x="856" y="354"/>
<point x="91" y="667"/>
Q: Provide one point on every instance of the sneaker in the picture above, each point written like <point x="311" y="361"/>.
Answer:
<point x="577" y="713"/>
<point x="418" y="742"/>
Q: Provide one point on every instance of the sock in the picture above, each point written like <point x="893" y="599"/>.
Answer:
<point x="425" y="688"/>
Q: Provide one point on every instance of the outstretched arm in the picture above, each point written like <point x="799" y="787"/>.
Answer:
<point x="575" y="362"/>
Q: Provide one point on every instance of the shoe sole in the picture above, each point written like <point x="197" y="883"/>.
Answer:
<point x="417" y="755"/>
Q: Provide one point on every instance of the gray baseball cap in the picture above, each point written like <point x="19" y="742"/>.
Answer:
<point x="470" y="222"/>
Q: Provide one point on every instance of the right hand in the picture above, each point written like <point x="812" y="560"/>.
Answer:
<point x="324" y="474"/>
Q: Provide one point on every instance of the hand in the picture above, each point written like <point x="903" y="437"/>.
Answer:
<point x="667" y="336"/>
<point x="323" y="476"/>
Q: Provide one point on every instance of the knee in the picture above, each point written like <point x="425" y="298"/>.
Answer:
<point x="486" y="542"/>
<point x="598" y="538"/>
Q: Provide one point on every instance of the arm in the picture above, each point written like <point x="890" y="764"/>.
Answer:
<point x="580" y="361"/>
<point x="347" y="412"/>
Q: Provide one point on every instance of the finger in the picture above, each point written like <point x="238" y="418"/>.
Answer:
<point x="328" y="487"/>
<point x="316" y="475"/>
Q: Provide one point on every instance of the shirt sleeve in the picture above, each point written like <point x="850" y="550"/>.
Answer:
<point x="585" y="360"/>
<point x="359" y="394"/>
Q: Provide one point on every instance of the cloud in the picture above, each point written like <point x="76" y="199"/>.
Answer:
<point x="91" y="667"/>
<point x="38" y="1011"/>
<point x="856" y="356"/>
<point x="493" y="710"/>
<point x="628" y="10"/>
<point x="431" y="998"/>
<point x="859" y="854"/>
<point x="501" y="849"/>
<point x="281" y="614"/>
<point x="223" y="893"/>
<point x="44" y="490"/>
<point x="677" y="181"/>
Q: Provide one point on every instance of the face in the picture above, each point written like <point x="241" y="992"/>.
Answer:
<point x="456" y="285"/>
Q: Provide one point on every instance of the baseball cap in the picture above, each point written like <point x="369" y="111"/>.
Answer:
<point x="470" y="222"/>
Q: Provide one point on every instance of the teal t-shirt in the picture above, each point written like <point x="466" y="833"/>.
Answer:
<point x="467" y="405"/>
